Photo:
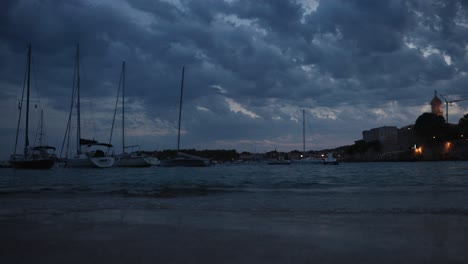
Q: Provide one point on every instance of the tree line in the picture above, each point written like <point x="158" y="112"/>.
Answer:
<point x="433" y="128"/>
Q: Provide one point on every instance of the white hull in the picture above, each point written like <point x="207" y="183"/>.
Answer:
<point x="185" y="160"/>
<point x="279" y="162"/>
<point x="93" y="156"/>
<point x="330" y="160"/>
<point x="307" y="161"/>
<point x="100" y="162"/>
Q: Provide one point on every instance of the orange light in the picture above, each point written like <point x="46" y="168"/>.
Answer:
<point x="418" y="150"/>
<point x="447" y="146"/>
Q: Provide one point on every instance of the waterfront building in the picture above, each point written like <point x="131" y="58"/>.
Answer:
<point x="436" y="105"/>
<point x="385" y="135"/>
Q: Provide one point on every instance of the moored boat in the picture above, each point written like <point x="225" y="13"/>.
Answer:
<point x="304" y="159"/>
<point x="330" y="160"/>
<point x="95" y="154"/>
<point x="132" y="159"/>
<point x="310" y="160"/>
<point x="38" y="157"/>
<point x="135" y="159"/>
<point x="184" y="159"/>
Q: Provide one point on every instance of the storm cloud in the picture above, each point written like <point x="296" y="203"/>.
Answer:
<point x="251" y="67"/>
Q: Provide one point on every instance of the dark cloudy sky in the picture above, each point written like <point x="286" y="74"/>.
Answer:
<point x="251" y="67"/>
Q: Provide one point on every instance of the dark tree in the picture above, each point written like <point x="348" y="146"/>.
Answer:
<point x="463" y="125"/>
<point x="361" y="147"/>
<point x="430" y="127"/>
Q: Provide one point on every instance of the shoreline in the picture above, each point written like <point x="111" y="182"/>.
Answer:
<point x="126" y="235"/>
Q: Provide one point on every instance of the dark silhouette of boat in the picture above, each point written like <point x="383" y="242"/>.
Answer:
<point x="95" y="154"/>
<point x="184" y="159"/>
<point x="304" y="159"/>
<point x="128" y="159"/>
<point x="37" y="157"/>
<point x="330" y="160"/>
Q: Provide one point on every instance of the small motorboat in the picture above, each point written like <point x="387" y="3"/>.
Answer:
<point x="330" y="160"/>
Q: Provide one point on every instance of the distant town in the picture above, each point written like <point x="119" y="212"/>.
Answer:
<point x="430" y="138"/>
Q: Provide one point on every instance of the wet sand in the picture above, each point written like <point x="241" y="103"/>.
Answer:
<point x="128" y="235"/>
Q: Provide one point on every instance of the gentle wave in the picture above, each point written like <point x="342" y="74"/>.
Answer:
<point x="399" y="211"/>
<point x="159" y="192"/>
<point x="173" y="191"/>
<point x="169" y="192"/>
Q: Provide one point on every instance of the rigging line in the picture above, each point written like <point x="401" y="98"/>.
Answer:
<point x="123" y="107"/>
<point x="66" y="136"/>
<point x="89" y="117"/>
<point x="43" y="135"/>
<point x="39" y="125"/>
<point x="303" y="132"/>
<point x="180" y="107"/>
<point x="115" y="109"/>
<point x="40" y="136"/>
<point x="68" y="128"/>
<point x="92" y="119"/>
<point x="37" y="132"/>
<point x="20" y="106"/>
<point x="78" y="103"/>
<point x="36" y="86"/>
<point x="26" y="136"/>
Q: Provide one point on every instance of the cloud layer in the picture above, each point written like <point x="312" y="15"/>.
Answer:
<point x="251" y="67"/>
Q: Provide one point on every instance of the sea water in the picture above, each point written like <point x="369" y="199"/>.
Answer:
<point x="353" y="208"/>
<point x="417" y="187"/>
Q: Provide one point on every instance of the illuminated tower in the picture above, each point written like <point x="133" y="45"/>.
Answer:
<point x="436" y="105"/>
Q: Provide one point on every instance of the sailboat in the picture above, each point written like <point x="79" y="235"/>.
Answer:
<point x="330" y="159"/>
<point x="95" y="154"/>
<point x="38" y="157"/>
<point x="304" y="160"/>
<point x="132" y="159"/>
<point x="184" y="159"/>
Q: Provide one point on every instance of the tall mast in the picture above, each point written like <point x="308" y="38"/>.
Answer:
<point x="121" y="79"/>
<point x="180" y="106"/>
<point x="20" y="107"/>
<point x="78" y="117"/>
<point x="66" y="138"/>
<point x="123" y="107"/>
<point x="41" y="133"/>
<point x="26" y="138"/>
<point x="303" y="133"/>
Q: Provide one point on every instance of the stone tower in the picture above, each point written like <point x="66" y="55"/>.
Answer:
<point x="436" y="105"/>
